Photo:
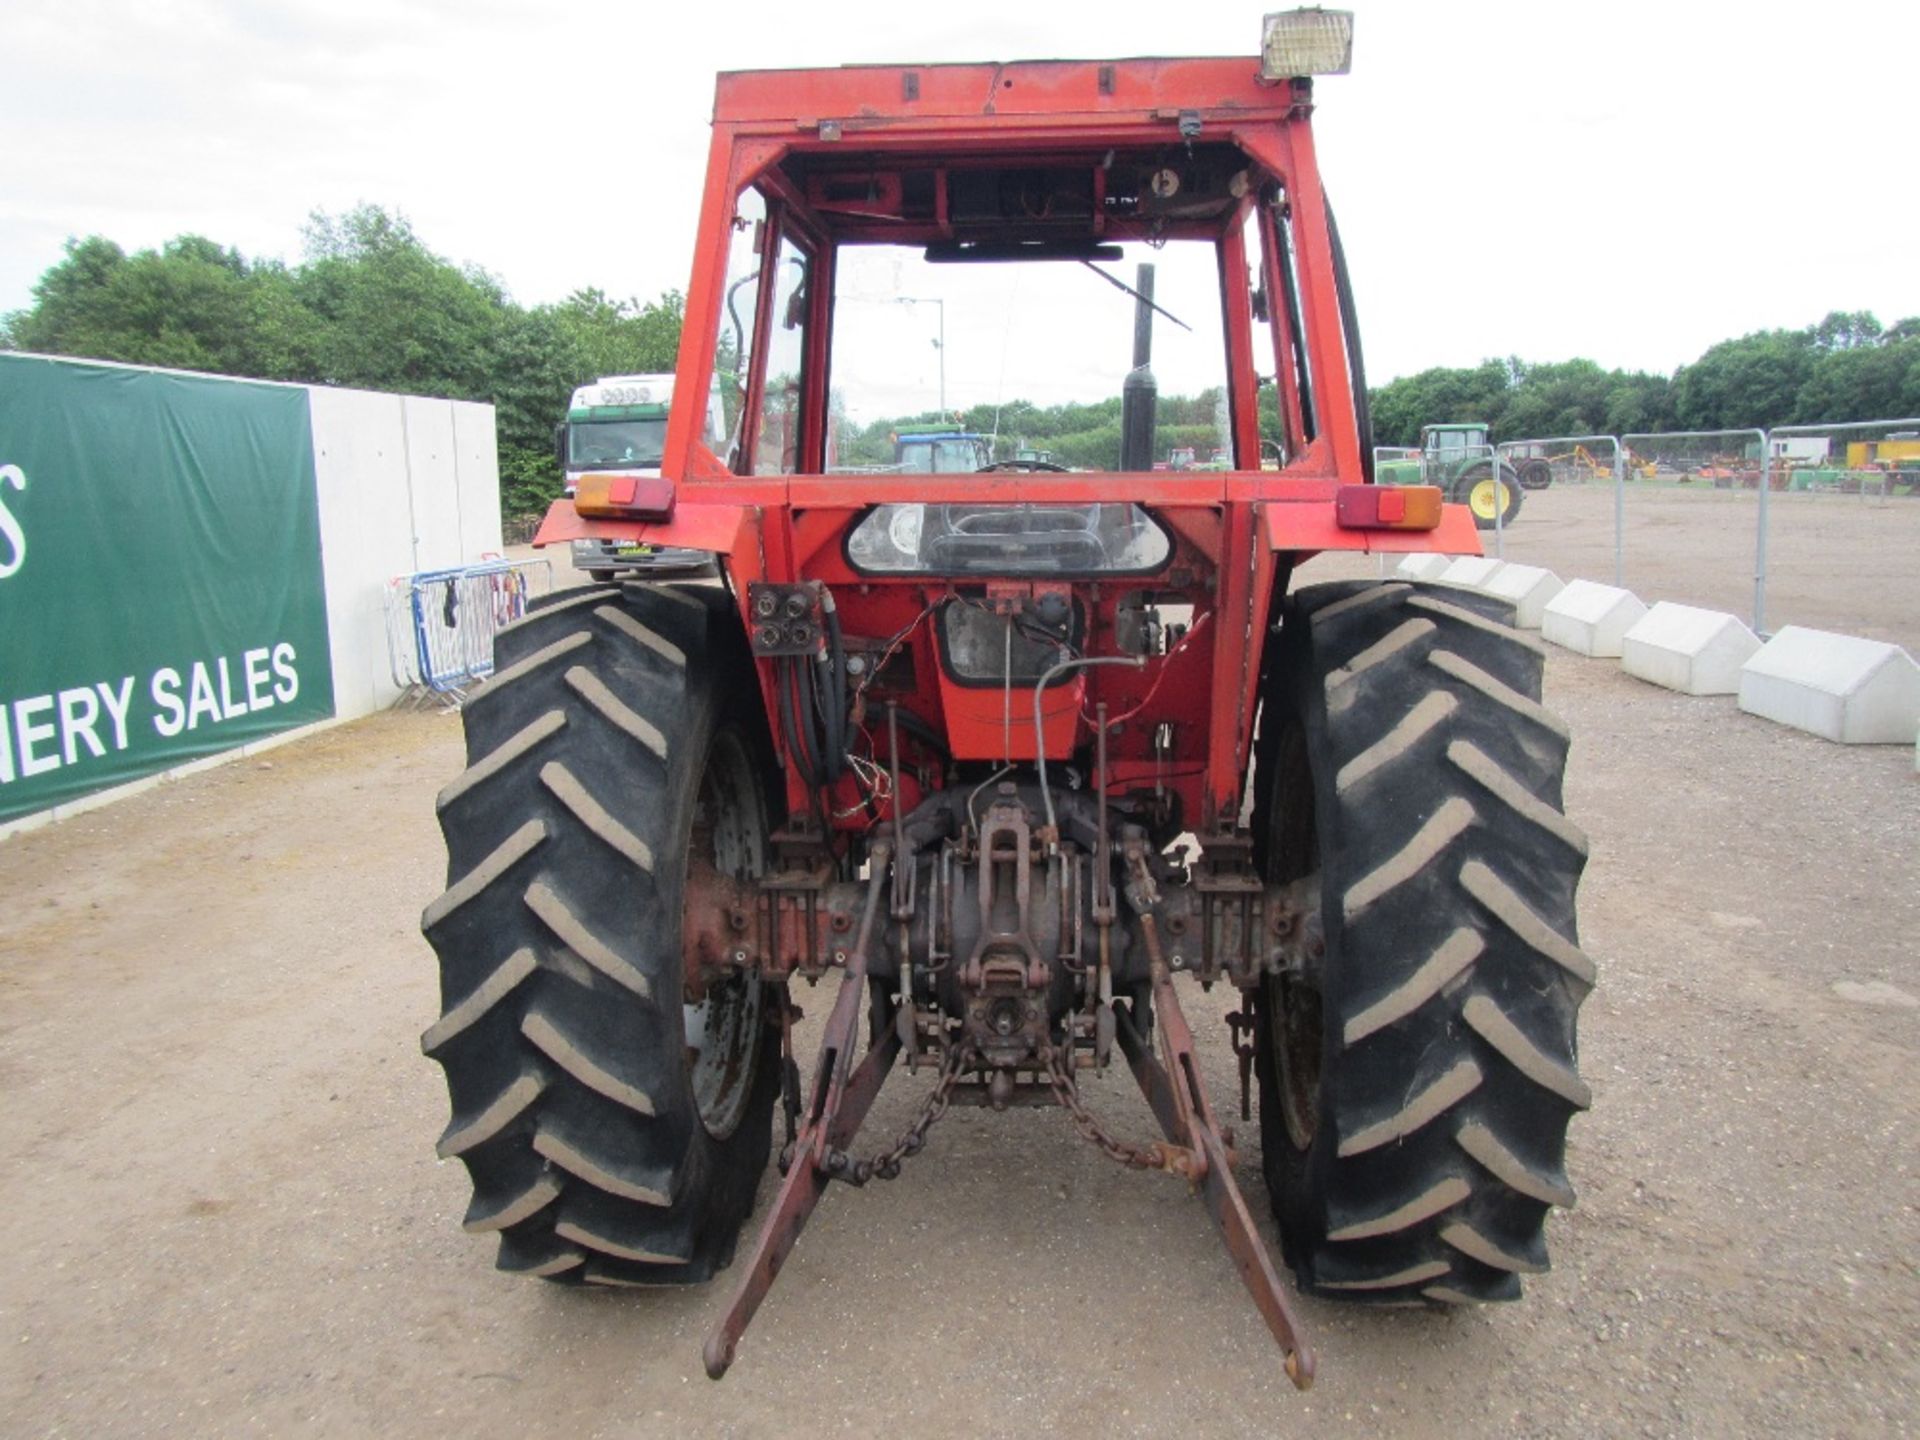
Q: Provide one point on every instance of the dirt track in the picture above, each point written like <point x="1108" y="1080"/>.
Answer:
<point x="227" y="1218"/>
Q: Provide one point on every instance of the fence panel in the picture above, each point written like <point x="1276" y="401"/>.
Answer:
<point x="1692" y="513"/>
<point x="441" y="623"/>
<point x="1569" y="517"/>
<point x="1814" y="525"/>
<point x="1844" y="529"/>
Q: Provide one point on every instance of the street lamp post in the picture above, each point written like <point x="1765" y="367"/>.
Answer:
<point x="940" y="344"/>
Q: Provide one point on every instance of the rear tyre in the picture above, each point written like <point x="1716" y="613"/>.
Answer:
<point x="1415" y="1089"/>
<point x="612" y="1132"/>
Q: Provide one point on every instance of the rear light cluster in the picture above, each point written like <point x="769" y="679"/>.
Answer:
<point x="1388" y="507"/>
<point x="624" y="497"/>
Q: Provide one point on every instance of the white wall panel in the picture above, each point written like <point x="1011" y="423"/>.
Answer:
<point x="433" y="482"/>
<point x="366" y="535"/>
<point x="477" y="469"/>
<point x="406" y="484"/>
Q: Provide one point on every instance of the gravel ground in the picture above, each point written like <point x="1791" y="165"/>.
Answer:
<point x="228" y="1220"/>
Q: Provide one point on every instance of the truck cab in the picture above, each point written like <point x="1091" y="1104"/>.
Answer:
<point x="618" y="425"/>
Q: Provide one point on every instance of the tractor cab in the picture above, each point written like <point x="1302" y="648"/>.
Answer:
<point x="940" y="450"/>
<point x="1453" y="442"/>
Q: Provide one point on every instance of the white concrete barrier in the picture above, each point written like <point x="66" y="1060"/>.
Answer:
<point x="1426" y="566"/>
<point x="1472" y="572"/>
<point x="1858" y="692"/>
<point x="1591" y="619"/>
<point x="1694" y="651"/>
<point x="1530" y="588"/>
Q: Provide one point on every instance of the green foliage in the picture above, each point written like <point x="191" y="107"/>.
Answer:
<point x="1752" y="381"/>
<point x="391" y="315"/>
<point x="1081" y="436"/>
<point x="1518" y="399"/>
<point x="529" y="480"/>
<point x="1439" y="397"/>
<point x="189" y="305"/>
<point x="1845" y="367"/>
<point x="369" y="306"/>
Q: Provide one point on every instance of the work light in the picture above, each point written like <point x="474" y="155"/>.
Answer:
<point x="1306" y="42"/>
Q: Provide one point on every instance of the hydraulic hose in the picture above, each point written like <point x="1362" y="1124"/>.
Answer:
<point x="1356" y="363"/>
<point x="833" y="712"/>
<point x="792" y="720"/>
<point x="1040" y="734"/>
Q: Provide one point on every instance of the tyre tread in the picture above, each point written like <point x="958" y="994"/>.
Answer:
<point x="1448" y="871"/>
<point x="560" y="1027"/>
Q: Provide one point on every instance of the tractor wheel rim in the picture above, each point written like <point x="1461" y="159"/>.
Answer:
<point x="1482" y="497"/>
<point x="723" y="1027"/>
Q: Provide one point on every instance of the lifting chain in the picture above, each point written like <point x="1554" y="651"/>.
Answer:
<point x="1159" y="1155"/>
<point x="886" y="1165"/>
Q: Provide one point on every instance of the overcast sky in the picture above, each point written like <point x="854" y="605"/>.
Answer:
<point x="1626" y="181"/>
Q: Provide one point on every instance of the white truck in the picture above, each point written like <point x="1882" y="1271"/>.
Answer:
<point x="618" y="425"/>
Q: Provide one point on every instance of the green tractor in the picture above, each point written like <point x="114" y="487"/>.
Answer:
<point x="1460" y="460"/>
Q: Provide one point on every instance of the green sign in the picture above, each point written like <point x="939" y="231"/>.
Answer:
<point x="160" y="586"/>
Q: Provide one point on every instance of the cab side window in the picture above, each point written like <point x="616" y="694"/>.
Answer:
<point x="777" y="449"/>
<point x="733" y="360"/>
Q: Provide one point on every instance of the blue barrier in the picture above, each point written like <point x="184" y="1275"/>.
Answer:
<point x="452" y="616"/>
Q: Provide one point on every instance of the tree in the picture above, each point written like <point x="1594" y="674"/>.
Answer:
<point x="1749" y="382"/>
<point x="190" y="305"/>
<point x="393" y="315"/>
<point x="1439" y="396"/>
<point x="1847" y="330"/>
<point x="1873" y="381"/>
<point x="614" y="337"/>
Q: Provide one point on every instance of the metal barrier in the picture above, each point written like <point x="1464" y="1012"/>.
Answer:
<point x="441" y="623"/>
<point x="1731" y="461"/>
<point x="1570" y="460"/>
<point x="1811" y="525"/>
<point x="1803" y="524"/>
<point x="1845" y="527"/>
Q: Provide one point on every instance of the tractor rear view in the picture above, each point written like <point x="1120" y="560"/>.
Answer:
<point x="1011" y="751"/>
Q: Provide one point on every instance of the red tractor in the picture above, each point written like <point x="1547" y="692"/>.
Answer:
<point x="1012" y="750"/>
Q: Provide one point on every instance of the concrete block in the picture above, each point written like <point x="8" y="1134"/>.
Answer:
<point x="1472" y="572"/>
<point x="1591" y="619"/>
<point x="1529" y="588"/>
<point x="1684" y="648"/>
<point x="1423" y="567"/>
<point x="1858" y="692"/>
